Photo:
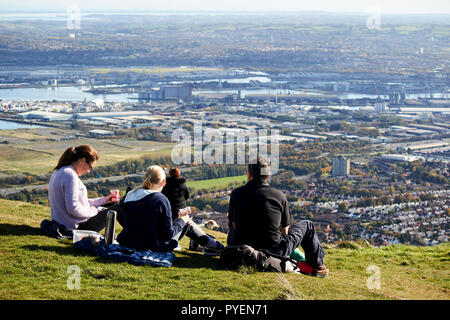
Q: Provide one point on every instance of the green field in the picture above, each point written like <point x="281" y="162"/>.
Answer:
<point x="33" y="266"/>
<point x="211" y="184"/>
<point x="30" y="151"/>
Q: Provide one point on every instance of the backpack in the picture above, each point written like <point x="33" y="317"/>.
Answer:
<point x="262" y="260"/>
<point x="55" y="230"/>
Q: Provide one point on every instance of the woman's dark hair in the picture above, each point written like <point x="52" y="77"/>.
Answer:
<point x="174" y="172"/>
<point x="72" y="154"/>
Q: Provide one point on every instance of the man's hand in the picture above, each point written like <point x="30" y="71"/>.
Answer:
<point x="284" y="230"/>
<point x="185" y="218"/>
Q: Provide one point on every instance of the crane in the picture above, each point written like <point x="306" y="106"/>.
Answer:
<point x="376" y="89"/>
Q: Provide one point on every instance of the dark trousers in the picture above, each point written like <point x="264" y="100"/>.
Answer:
<point x="98" y="222"/>
<point x="194" y="232"/>
<point x="302" y="234"/>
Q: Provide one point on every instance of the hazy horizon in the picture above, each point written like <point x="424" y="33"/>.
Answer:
<point x="143" y="12"/>
<point x="402" y="7"/>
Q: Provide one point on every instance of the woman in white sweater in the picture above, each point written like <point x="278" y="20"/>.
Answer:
<point x="69" y="203"/>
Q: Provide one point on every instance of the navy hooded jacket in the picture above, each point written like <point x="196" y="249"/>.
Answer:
<point x="148" y="221"/>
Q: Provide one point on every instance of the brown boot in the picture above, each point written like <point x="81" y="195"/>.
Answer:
<point x="305" y="268"/>
<point x="320" y="272"/>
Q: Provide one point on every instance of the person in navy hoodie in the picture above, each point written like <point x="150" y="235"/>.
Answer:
<point x="147" y="218"/>
<point x="148" y="221"/>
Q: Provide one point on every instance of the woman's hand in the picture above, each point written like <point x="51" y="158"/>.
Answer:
<point x="111" y="199"/>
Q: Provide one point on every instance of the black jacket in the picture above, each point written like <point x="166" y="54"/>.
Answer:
<point x="177" y="192"/>
<point x="257" y="210"/>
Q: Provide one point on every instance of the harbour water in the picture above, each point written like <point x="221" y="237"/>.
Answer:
<point x="78" y="94"/>
<point x="71" y="94"/>
<point x="74" y="94"/>
<point x="9" y="125"/>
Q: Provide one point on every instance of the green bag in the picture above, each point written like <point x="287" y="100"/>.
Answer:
<point x="298" y="255"/>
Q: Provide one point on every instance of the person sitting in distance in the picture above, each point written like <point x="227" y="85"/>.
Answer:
<point x="177" y="192"/>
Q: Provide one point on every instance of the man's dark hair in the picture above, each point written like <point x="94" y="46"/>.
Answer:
<point x="260" y="169"/>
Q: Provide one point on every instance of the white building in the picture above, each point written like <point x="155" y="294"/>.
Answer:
<point x="381" y="107"/>
<point x="100" y="133"/>
<point x="45" y="116"/>
<point x="341" y="167"/>
<point x="400" y="157"/>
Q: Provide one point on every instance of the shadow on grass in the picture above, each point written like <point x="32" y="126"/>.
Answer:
<point x="7" y="229"/>
<point x="196" y="260"/>
<point x="68" y="250"/>
<point x="187" y="260"/>
<point x="64" y="249"/>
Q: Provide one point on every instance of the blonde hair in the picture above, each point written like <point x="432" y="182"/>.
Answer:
<point x="153" y="175"/>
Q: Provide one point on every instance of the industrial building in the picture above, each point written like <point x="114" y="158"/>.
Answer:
<point x="418" y="110"/>
<point x="307" y="136"/>
<point x="291" y="97"/>
<point x="173" y="92"/>
<point x="45" y="116"/>
<point x="121" y="114"/>
<point x="423" y="145"/>
<point x="400" y="157"/>
<point x="100" y="133"/>
<point x="381" y="107"/>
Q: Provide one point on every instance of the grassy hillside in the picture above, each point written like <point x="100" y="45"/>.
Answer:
<point x="33" y="266"/>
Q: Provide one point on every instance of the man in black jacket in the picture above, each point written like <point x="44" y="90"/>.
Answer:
<point x="259" y="216"/>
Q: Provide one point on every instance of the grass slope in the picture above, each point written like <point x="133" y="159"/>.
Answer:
<point x="33" y="266"/>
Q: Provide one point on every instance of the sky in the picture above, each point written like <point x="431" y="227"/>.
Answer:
<point x="362" y="6"/>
